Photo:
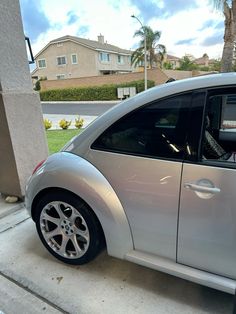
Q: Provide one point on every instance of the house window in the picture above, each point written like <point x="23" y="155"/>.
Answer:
<point x="74" y="59"/>
<point x="141" y="63"/>
<point x="104" y="57"/>
<point x="61" y="60"/>
<point x="60" y="76"/>
<point x="42" y="63"/>
<point x="120" y="59"/>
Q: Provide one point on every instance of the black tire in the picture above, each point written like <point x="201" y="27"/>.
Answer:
<point x="85" y="221"/>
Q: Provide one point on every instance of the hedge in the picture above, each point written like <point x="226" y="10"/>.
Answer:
<point x="104" y="92"/>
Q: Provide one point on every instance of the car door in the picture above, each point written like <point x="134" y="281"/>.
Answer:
<point x="207" y="216"/>
<point x="141" y="156"/>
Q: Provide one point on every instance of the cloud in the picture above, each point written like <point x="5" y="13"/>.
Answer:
<point x="216" y="38"/>
<point x="207" y="24"/>
<point x="220" y="25"/>
<point x="212" y="24"/>
<point x="72" y="17"/>
<point x="83" y="31"/>
<point x="150" y="9"/>
<point x="188" y="41"/>
<point x="45" y="20"/>
<point x="35" y="21"/>
<point x="172" y="7"/>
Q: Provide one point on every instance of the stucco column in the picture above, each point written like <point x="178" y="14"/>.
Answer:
<point x="22" y="135"/>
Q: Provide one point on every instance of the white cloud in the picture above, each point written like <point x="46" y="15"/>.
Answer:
<point x="186" y="25"/>
<point x="113" y="19"/>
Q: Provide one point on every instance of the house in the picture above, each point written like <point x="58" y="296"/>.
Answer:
<point x="204" y="61"/>
<point x="172" y="60"/>
<point x="74" y="57"/>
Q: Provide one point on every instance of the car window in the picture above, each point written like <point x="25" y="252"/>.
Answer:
<point x="219" y="136"/>
<point x="156" y="130"/>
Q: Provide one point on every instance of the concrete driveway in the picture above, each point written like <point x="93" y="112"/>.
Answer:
<point x="31" y="281"/>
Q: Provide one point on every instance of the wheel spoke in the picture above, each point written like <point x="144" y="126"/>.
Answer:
<point x="74" y="214"/>
<point x="47" y="217"/>
<point x="83" y="234"/>
<point x="76" y="245"/>
<point x="60" y="213"/>
<point x="51" y="234"/>
<point x="64" y="242"/>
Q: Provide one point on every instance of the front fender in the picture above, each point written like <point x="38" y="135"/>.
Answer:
<point x="73" y="173"/>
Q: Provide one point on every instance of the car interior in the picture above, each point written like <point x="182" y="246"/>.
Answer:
<point x="220" y="129"/>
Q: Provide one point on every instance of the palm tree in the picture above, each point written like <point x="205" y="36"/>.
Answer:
<point x="155" y="52"/>
<point x="229" y="10"/>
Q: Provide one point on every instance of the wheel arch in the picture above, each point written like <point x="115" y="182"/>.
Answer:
<point x="90" y="186"/>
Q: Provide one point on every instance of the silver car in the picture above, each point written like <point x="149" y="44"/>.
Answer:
<point x="153" y="180"/>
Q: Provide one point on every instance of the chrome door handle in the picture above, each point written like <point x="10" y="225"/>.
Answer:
<point x="201" y="188"/>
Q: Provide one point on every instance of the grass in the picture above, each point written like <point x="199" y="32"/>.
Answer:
<point x="58" y="138"/>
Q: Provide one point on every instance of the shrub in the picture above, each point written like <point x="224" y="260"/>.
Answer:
<point x="37" y="85"/>
<point x="64" y="124"/>
<point x="104" y="92"/>
<point x="79" y="122"/>
<point x="47" y="124"/>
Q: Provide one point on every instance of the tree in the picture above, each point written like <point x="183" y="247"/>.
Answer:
<point x="37" y="85"/>
<point x="187" y="65"/>
<point x="155" y="52"/>
<point x="167" y="66"/>
<point x="229" y="10"/>
<point x="216" y="66"/>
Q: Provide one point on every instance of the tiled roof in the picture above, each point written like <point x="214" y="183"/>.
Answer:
<point x="92" y="44"/>
<point x="201" y="60"/>
<point x="170" y="57"/>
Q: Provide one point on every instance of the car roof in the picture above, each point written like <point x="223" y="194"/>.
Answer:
<point x="86" y="138"/>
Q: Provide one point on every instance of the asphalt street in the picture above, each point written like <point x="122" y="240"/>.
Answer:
<point x="77" y="108"/>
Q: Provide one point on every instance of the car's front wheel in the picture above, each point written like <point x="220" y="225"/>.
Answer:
<point x="68" y="228"/>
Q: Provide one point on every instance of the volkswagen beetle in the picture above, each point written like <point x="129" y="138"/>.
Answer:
<point x="153" y="180"/>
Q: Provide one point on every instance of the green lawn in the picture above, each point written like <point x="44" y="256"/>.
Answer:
<point x="58" y="138"/>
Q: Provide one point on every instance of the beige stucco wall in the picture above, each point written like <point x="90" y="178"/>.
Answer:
<point x="85" y="57"/>
<point x="88" y="63"/>
<point x="179" y="75"/>
<point x="156" y="75"/>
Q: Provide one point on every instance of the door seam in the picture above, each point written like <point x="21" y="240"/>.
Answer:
<point x="177" y="230"/>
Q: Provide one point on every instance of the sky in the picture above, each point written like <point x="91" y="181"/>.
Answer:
<point x="187" y="27"/>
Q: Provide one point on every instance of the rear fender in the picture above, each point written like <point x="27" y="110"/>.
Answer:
<point x="77" y="175"/>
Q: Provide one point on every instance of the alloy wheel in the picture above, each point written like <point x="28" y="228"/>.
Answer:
<point x="64" y="230"/>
